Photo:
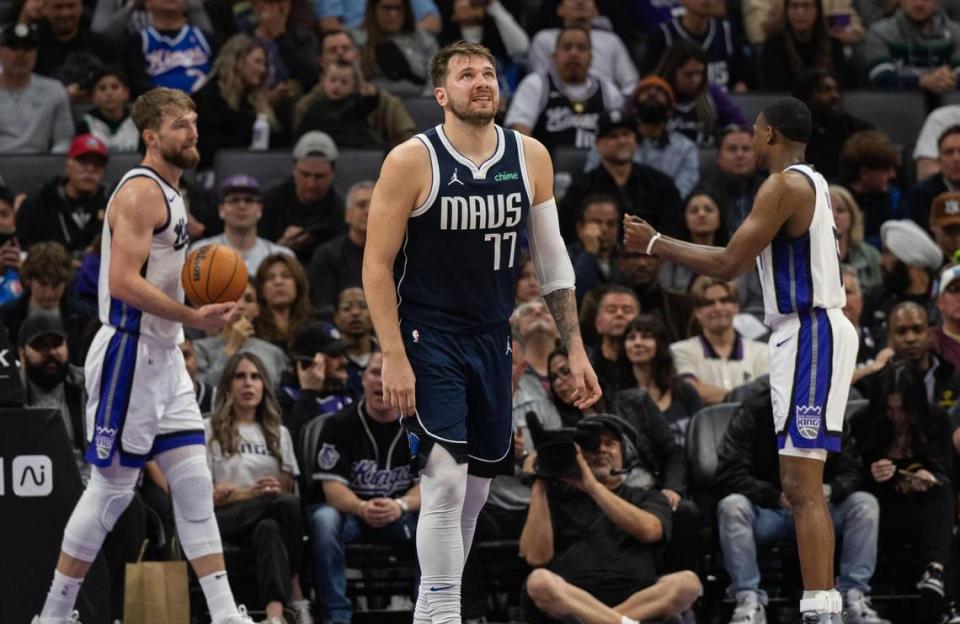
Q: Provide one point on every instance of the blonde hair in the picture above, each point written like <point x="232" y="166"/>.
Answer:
<point x="149" y="109"/>
<point x="226" y="70"/>
<point x="703" y="283"/>
<point x="856" y="216"/>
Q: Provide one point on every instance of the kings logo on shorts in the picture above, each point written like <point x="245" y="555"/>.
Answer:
<point x="808" y="418"/>
<point x="103" y="441"/>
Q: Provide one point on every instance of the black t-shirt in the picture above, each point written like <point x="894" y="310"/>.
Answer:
<point x="595" y="554"/>
<point x="323" y="219"/>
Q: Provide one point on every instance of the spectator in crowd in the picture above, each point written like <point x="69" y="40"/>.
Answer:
<point x="905" y="444"/>
<point x="363" y="489"/>
<point x="394" y="51"/>
<point x="735" y="181"/>
<point x="352" y="318"/>
<point x="919" y="198"/>
<point x="594" y="540"/>
<point x="213" y="352"/>
<point x="253" y="463"/>
<point x="718" y="359"/>
<point x="909" y="261"/>
<point x="646" y="349"/>
<point x="342" y="107"/>
<point x="284" y="299"/>
<point x="609" y="59"/>
<point x="755" y="510"/>
<point x="333" y="15"/>
<point x="338" y="263"/>
<point x="800" y="39"/>
<point x="109" y="120"/>
<point x="528" y="288"/>
<point x="306" y="210"/>
<point x="45" y="274"/>
<point x="241" y="208"/>
<point x="702" y="226"/>
<point x="945" y="337"/>
<point x="701" y="108"/>
<point x="616" y="308"/>
<point x="832" y="125"/>
<point x="843" y="20"/>
<point x="203" y="391"/>
<point x="872" y="356"/>
<point x="118" y="19"/>
<point x="868" y="167"/>
<point x="640" y="273"/>
<point x="233" y="99"/>
<point x="318" y="351"/>
<point x="704" y="25"/>
<point x="489" y="24"/>
<point x="639" y="189"/>
<point x="67" y="49"/>
<point x="69" y="209"/>
<point x="10" y="254"/>
<point x="945" y="223"/>
<point x="926" y="153"/>
<point x="865" y="258"/>
<point x="917" y="47"/>
<point x="34" y="110"/>
<point x="535" y="329"/>
<point x="875" y="10"/>
<point x="292" y="51"/>
<point x="27" y="12"/>
<point x="561" y="105"/>
<point x="598" y="227"/>
<point x="170" y="51"/>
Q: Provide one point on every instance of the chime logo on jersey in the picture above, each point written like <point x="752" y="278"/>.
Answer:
<point x="808" y="420"/>
<point x="480" y="212"/>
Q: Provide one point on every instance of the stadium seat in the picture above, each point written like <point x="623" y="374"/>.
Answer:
<point x="118" y="164"/>
<point x="900" y="114"/>
<point x="854" y="406"/>
<point x="23" y="173"/>
<point x="752" y="104"/>
<point x="268" y="167"/>
<point x="355" y="165"/>
<point x="425" y="111"/>
<point x="704" y="435"/>
<point x="569" y="160"/>
<point x="708" y="161"/>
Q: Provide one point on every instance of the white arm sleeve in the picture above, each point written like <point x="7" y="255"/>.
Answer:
<point x="550" y="260"/>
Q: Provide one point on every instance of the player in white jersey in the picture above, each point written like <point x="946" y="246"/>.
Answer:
<point x="140" y="399"/>
<point x="791" y="235"/>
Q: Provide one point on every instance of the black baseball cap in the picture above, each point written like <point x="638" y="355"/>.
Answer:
<point x="617" y="118"/>
<point x="41" y="325"/>
<point x="19" y="36"/>
<point x="317" y="337"/>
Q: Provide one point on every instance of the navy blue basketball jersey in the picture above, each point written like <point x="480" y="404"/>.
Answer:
<point x="458" y="267"/>
<point x="181" y="61"/>
<point x="717" y="43"/>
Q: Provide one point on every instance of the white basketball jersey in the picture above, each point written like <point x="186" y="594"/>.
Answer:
<point x="162" y="268"/>
<point x="803" y="273"/>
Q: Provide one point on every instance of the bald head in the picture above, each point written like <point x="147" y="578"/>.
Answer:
<point x="908" y="333"/>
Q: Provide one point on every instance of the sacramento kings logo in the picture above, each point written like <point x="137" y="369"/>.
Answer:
<point x="808" y="421"/>
<point x="104" y="441"/>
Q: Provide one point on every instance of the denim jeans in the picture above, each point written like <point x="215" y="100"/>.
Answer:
<point x="743" y="525"/>
<point x="330" y="532"/>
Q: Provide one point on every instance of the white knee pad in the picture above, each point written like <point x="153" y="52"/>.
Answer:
<point x="191" y="489"/>
<point x="96" y="513"/>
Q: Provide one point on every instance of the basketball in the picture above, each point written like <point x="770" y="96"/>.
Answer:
<point x="213" y="274"/>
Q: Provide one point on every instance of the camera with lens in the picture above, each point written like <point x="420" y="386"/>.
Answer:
<point x="557" y="448"/>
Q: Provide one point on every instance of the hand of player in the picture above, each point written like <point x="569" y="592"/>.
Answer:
<point x="399" y="384"/>
<point x="587" y="390"/>
<point x="636" y="233"/>
<point x="212" y="317"/>
<point x="311" y="376"/>
<point x="882" y="470"/>
<point x="672" y="497"/>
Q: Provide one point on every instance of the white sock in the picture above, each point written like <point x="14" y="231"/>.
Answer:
<point x="836" y="601"/>
<point x="220" y="602"/>
<point x="61" y="598"/>
<point x="443" y="605"/>
<point x="625" y="620"/>
<point x="421" y="613"/>
<point x="818" y="601"/>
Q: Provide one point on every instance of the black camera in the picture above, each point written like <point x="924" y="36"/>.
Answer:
<point x="557" y="448"/>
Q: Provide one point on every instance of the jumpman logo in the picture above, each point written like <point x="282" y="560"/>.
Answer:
<point x="454" y="178"/>
<point x="509" y="347"/>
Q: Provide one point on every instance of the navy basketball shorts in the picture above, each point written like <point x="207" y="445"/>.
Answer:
<point x="464" y="397"/>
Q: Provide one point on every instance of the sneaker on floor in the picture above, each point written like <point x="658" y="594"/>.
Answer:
<point x="239" y="618"/>
<point x="858" y="610"/>
<point x="950" y="615"/>
<point x="931" y="582"/>
<point x="749" y="609"/>
<point x="301" y="612"/>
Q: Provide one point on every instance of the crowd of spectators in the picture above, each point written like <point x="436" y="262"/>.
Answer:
<point x="305" y="454"/>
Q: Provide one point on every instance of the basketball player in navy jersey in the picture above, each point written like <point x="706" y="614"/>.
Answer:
<point x="140" y="402"/>
<point x="791" y="236"/>
<point x="447" y="218"/>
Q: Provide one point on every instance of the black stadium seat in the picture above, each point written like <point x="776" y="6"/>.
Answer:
<point x="425" y="111"/>
<point x="752" y="104"/>
<point x="355" y="165"/>
<point x="569" y="160"/>
<point x="23" y="173"/>
<point x="267" y="167"/>
<point x="900" y="114"/>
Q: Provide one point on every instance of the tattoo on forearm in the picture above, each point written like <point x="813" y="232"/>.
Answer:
<point x="563" y="306"/>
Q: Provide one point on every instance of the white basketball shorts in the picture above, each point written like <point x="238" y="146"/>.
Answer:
<point x="141" y="400"/>
<point x="812" y="358"/>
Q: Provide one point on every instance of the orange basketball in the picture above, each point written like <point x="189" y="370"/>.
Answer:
<point x="213" y="274"/>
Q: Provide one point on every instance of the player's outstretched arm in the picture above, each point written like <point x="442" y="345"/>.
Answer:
<point x="399" y="190"/>
<point x="773" y="205"/>
<point x="554" y="270"/>
<point x="137" y="210"/>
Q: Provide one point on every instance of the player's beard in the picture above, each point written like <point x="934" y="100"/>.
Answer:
<point x="477" y="118"/>
<point x="181" y="158"/>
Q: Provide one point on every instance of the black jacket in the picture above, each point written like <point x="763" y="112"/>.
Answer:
<point x="49" y="215"/>
<point x="75" y="314"/>
<point x="335" y="265"/>
<point x="749" y="463"/>
<point x="657" y="449"/>
<point x="916" y="201"/>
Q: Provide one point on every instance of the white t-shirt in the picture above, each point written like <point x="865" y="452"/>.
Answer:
<point x="253" y="460"/>
<point x="251" y="257"/>
<point x="694" y="357"/>
<point x="610" y="58"/>
<point x="937" y="121"/>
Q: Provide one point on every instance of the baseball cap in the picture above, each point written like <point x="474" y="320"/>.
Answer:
<point x="239" y="182"/>
<point x="947" y="275"/>
<point x="85" y="145"/>
<point x="40" y="325"/>
<point x="19" y="36"/>
<point x="618" y="118"/>
<point x="317" y="337"/>
<point x="315" y="143"/>
<point x="945" y="209"/>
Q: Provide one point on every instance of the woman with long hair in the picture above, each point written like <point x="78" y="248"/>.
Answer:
<point x="799" y="38"/>
<point x="904" y="441"/>
<point x="701" y="108"/>
<point x="234" y="96"/>
<point x="253" y="464"/>
<point x="702" y="225"/>
<point x="395" y="52"/>
<point x="284" y="299"/>
<point x="853" y="251"/>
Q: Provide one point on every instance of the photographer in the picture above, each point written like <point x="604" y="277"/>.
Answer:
<point x="596" y="539"/>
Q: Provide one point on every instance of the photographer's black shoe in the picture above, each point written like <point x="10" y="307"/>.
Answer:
<point x="931" y="583"/>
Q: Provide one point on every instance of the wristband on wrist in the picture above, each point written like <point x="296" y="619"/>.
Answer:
<point x="360" y="508"/>
<point x="404" y="507"/>
<point x="652" y="241"/>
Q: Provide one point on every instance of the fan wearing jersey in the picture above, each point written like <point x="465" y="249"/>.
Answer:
<point x="791" y="236"/>
<point x="141" y="402"/>
<point x="440" y="269"/>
